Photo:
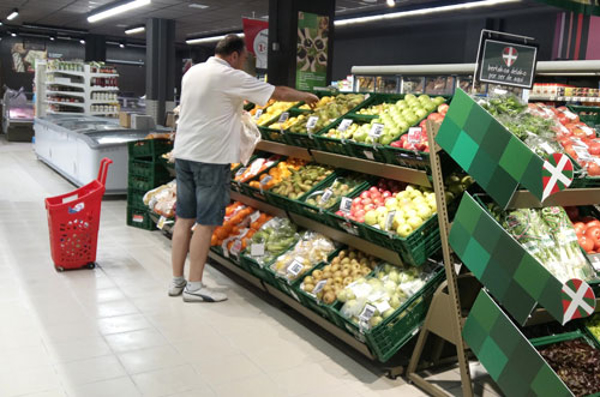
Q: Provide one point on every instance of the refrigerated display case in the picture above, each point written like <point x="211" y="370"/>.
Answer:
<point x="74" y="146"/>
<point x="17" y="115"/>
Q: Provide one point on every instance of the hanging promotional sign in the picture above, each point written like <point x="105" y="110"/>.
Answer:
<point x="256" y="33"/>
<point x="311" y="54"/>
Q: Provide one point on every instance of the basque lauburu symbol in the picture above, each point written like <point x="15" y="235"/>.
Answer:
<point x="578" y="300"/>
<point x="510" y="55"/>
<point x="557" y="174"/>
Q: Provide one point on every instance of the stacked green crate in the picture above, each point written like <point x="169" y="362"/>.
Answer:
<point x="146" y="171"/>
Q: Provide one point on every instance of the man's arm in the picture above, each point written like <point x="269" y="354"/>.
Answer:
<point x="287" y="94"/>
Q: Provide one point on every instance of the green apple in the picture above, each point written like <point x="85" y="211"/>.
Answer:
<point x="381" y="210"/>
<point x="433" y="206"/>
<point x="391" y="203"/>
<point x="438" y="100"/>
<point x="410" y="212"/>
<point x="424" y="211"/>
<point x="421" y="113"/>
<point x="371" y="217"/>
<point x="386" y="139"/>
<point x="404" y="230"/>
<point x="430" y="107"/>
<point x="414" y="221"/>
<point x="424" y="98"/>
<point x="409" y="97"/>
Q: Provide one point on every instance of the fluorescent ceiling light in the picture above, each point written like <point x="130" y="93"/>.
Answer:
<point x="122" y="45"/>
<point x="139" y="29"/>
<point x="1" y="24"/>
<point x="391" y="3"/>
<point x="118" y="9"/>
<point x="210" y="39"/>
<point x="196" y="5"/>
<point x="82" y="41"/>
<point x="52" y="38"/>
<point x="13" y="15"/>
<point x="422" y="11"/>
<point x="13" y="34"/>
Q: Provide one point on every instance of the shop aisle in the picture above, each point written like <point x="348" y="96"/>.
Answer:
<point x="114" y="332"/>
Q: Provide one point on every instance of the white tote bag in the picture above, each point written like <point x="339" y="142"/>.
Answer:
<point x="250" y="137"/>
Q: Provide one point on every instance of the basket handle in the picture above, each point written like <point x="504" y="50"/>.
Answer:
<point x="104" y="163"/>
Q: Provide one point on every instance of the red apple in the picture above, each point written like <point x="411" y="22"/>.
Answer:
<point x="364" y="195"/>
<point x="386" y="194"/>
<point x="356" y="201"/>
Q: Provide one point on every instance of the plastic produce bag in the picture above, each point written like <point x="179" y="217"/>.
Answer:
<point x="250" y="136"/>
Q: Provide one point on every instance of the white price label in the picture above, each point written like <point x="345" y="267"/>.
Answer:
<point x="346" y="205"/>
<point x="382" y="306"/>
<point x="161" y="222"/>
<point x="595" y="261"/>
<point x="258" y="113"/>
<point x="266" y="180"/>
<point x="254" y="217"/>
<point x="295" y="267"/>
<point x="257" y="250"/>
<point x="344" y="125"/>
<point x="367" y="313"/>
<point x="415" y="134"/>
<point x="349" y="228"/>
<point x="389" y="220"/>
<point x="376" y="130"/>
<point x="326" y="196"/>
<point x="284" y="117"/>
<point x="319" y="287"/>
<point x="369" y="155"/>
<point x="240" y="171"/>
<point x="312" y="123"/>
<point x="256" y="166"/>
<point x="582" y="153"/>
<point x="236" y="248"/>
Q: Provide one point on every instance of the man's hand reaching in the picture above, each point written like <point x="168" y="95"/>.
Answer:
<point x="311" y="100"/>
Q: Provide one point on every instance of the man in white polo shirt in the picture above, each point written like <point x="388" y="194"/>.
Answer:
<point x="207" y="142"/>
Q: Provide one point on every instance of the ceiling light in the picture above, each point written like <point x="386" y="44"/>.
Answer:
<point x="118" y="9"/>
<point x="1" y="23"/>
<point x="52" y="38"/>
<point x="139" y="29"/>
<point x="391" y="3"/>
<point x="13" y="15"/>
<point x="422" y="11"/>
<point x="82" y="41"/>
<point x="196" y="5"/>
<point x="53" y="28"/>
<point x="211" y="39"/>
<point x="122" y="45"/>
<point x="13" y="34"/>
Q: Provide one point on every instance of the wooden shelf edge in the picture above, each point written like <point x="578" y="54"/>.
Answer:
<point x="284" y="150"/>
<point x="569" y="197"/>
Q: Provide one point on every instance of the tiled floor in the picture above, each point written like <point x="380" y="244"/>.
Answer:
<point x="114" y="332"/>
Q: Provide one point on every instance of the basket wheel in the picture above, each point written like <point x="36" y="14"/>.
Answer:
<point x="60" y="269"/>
<point x="91" y="265"/>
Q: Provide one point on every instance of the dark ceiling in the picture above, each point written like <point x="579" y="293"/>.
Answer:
<point x="219" y="16"/>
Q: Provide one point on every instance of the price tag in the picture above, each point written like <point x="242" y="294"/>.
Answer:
<point x="415" y="134"/>
<point x="326" y="196"/>
<point x="389" y="220"/>
<point x="319" y="287"/>
<point x="369" y="155"/>
<point x="360" y="290"/>
<point x="595" y="261"/>
<point x="265" y="180"/>
<point x="284" y="117"/>
<point x="367" y="313"/>
<point x="582" y="153"/>
<point x="295" y="267"/>
<point x="258" y="113"/>
<point x="161" y="222"/>
<point x="254" y="217"/>
<point x="382" y="306"/>
<point x="349" y="228"/>
<point x="257" y="250"/>
<point x="346" y="205"/>
<point x="256" y="166"/>
<point x="236" y="248"/>
<point x="376" y="130"/>
<point x="344" y="125"/>
<point x="312" y="123"/>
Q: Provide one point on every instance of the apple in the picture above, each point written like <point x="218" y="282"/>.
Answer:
<point x="364" y="195"/>
<point x="386" y="194"/>
<point x="369" y="207"/>
<point x="360" y="213"/>
<point x="366" y="201"/>
<point x="404" y="230"/>
<point x="373" y="190"/>
<point x="424" y="211"/>
<point x="371" y="218"/>
<point x="410" y="212"/>
<point x="414" y="222"/>
<point x="391" y="203"/>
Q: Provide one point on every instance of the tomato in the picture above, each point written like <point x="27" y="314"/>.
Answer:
<point x="593" y="233"/>
<point x="579" y="227"/>
<point x="593" y="169"/>
<point x="572" y="212"/>
<point x="597" y="246"/>
<point x="586" y="243"/>
<point x="592" y="223"/>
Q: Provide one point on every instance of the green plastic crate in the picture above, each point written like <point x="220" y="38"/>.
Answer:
<point x="140" y="218"/>
<point x="588" y="114"/>
<point x="135" y="198"/>
<point x="146" y="175"/>
<point x="394" y="332"/>
<point x="334" y="145"/>
<point x="149" y="148"/>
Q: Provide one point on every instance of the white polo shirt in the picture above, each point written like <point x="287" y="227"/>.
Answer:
<point x="212" y="99"/>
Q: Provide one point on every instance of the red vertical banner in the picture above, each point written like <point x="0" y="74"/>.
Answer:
<point x="256" y="33"/>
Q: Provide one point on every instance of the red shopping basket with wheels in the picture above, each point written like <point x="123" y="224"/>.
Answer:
<point x="73" y="221"/>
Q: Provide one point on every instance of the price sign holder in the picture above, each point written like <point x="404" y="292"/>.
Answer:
<point x="344" y="125"/>
<point x="258" y="113"/>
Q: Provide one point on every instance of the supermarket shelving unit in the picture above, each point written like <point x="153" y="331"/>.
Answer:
<point x="81" y="81"/>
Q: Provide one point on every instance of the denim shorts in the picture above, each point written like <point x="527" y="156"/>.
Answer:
<point x="202" y="191"/>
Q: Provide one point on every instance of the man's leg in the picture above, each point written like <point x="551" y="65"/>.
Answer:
<point x="199" y="251"/>
<point x="182" y="234"/>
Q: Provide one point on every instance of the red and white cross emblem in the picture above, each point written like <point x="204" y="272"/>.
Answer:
<point x="578" y="300"/>
<point x="510" y="55"/>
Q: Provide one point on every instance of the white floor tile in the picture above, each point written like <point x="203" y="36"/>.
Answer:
<point x="118" y="387"/>
<point x="220" y="370"/>
<point x="165" y="382"/>
<point x="151" y="359"/>
<point x="135" y="340"/>
<point x="90" y="370"/>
